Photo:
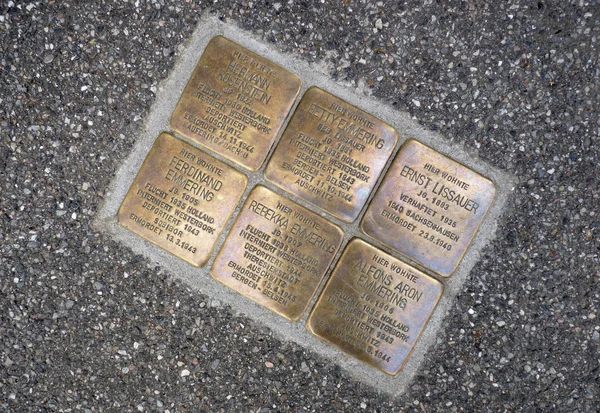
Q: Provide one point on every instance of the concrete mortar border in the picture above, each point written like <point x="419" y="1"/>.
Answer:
<point x="199" y="278"/>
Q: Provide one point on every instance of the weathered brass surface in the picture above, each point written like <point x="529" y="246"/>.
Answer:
<point x="428" y="207"/>
<point x="277" y="253"/>
<point x="331" y="154"/>
<point x="374" y="306"/>
<point x="181" y="199"/>
<point x="235" y="102"/>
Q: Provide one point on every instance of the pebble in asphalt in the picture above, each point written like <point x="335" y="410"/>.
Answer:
<point x="87" y="326"/>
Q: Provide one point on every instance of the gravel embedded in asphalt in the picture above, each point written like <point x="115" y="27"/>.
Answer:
<point x="88" y="326"/>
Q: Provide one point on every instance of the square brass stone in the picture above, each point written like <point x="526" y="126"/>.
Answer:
<point x="235" y="102"/>
<point x="181" y="199"/>
<point x="277" y="253"/>
<point x="374" y="307"/>
<point x="331" y="154"/>
<point x="428" y="207"/>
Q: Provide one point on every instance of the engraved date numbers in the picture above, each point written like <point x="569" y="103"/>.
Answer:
<point x="181" y="244"/>
<point x="436" y="241"/>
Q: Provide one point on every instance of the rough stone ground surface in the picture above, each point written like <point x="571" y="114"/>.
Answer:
<point x="88" y="326"/>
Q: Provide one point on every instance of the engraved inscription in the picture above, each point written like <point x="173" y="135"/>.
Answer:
<point x="374" y="306"/>
<point x="331" y="154"/>
<point x="235" y="102"/>
<point x="428" y="207"/>
<point x="181" y="199"/>
<point x="277" y="253"/>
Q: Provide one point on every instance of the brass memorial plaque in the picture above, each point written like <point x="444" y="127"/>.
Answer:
<point x="428" y="207"/>
<point x="277" y="253"/>
<point x="331" y="154"/>
<point x="235" y="102"/>
<point x="374" y="307"/>
<point x="181" y="199"/>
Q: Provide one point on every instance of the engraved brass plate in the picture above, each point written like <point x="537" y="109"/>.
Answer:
<point x="277" y="253"/>
<point x="374" y="306"/>
<point x="181" y="199"/>
<point x="235" y="102"/>
<point x="331" y="154"/>
<point x="428" y="207"/>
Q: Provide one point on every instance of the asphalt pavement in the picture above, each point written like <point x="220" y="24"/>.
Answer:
<point x="88" y="325"/>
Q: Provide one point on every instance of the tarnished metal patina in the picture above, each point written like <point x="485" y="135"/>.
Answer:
<point x="331" y="154"/>
<point x="181" y="199"/>
<point x="428" y="207"/>
<point x="277" y="253"/>
<point x="235" y="102"/>
<point x="374" y="306"/>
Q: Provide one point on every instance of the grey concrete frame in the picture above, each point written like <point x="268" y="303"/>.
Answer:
<point x="199" y="278"/>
